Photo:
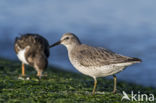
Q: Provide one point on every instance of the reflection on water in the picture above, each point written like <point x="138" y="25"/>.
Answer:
<point x="116" y="26"/>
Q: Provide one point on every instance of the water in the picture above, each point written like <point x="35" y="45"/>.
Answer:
<point x="126" y="27"/>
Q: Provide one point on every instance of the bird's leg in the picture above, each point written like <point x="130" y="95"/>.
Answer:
<point x="39" y="74"/>
<point x="115" y="82"/>
<point x="95" y="82"/>
<point x="23" y="70"/>
<point x="23" y="76"/>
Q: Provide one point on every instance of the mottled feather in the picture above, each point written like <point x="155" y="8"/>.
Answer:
<point x="92" y="56"/>
<point x="35" y="41"/>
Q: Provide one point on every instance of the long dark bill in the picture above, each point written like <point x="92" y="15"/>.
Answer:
<point x="55" y="44"/>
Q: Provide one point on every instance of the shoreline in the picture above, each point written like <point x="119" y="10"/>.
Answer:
<point x="59" y="86"/>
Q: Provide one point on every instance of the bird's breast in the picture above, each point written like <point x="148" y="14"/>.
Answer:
<point x="21" y="56"/>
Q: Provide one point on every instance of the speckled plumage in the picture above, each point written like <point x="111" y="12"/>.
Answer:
<point x="92" y="56"/>
<point x="102" y="62"/>
<point x="94" y="61"/>
<point x="32" y="49"/>
<point x="35" y="41"/>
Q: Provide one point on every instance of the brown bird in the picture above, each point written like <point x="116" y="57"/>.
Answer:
<point x="33" y="50"/>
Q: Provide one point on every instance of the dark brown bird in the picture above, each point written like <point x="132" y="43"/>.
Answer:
<point x="33" y="50"/>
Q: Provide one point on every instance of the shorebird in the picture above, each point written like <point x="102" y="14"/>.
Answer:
<point x="94" y="61"/>
<point x="33" y="50"/>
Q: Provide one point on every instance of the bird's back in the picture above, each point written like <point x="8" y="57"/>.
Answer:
<point x="35" y="41"/>
<point x="93" y="56"/>
<point x="98" y="62"/>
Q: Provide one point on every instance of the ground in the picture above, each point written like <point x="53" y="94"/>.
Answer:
<point x="59" y="87"/>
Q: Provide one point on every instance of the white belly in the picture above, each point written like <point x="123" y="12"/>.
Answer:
<point x="21" y="56"/>
<point x="102" y="71"/>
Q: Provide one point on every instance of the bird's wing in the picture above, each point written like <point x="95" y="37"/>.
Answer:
<point x="35" y="41"/>
<point x="92" y="56"/>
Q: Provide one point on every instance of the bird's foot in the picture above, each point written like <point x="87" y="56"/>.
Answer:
<point x="114" y="91"/>
<point x="23" y="77"/>
<point x="43" y="76"/>
<point x="93" y="94"/>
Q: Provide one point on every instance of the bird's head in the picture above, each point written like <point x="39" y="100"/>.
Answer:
<point x="68" y="40"/>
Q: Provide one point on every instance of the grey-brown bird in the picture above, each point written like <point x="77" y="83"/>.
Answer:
<point x="33" y="50"/>
<point x="94" y="61"/>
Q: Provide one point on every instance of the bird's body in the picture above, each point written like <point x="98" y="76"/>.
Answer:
<point x="94" y="61"/>
<point x="97" y="62"/>
<point x="33" y="50"/>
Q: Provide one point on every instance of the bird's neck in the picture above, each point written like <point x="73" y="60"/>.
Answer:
<point x="72" y="47"/>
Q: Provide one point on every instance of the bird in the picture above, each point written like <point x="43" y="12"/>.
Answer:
<point x="33" y="50"/>
<point x="94" y="61"/>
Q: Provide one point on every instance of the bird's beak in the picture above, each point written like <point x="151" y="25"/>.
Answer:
<point x="55" y="44"/>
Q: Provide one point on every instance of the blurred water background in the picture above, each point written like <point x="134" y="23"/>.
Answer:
<point x="127" y="27"/>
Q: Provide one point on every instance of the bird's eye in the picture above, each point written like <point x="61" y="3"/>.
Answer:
<point x="67" y="38"/>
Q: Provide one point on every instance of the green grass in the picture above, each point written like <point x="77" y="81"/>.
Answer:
<point x="58" y="87"/>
